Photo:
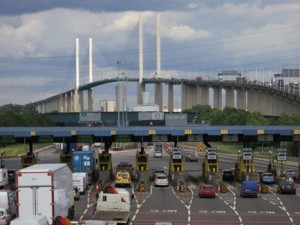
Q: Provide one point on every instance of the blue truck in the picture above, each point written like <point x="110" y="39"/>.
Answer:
<point x="84" y="161"/>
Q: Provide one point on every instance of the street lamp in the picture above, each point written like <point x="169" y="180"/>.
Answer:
<point x="270" y="169"/>
<point x="2" y="153"/>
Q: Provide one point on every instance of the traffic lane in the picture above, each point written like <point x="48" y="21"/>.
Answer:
<point x="260" y="210"/>
<point x="212" y="210"/>
<point x="288" y="203"/>
<point x="84" y="207"/>
<point x="162" y="204"/>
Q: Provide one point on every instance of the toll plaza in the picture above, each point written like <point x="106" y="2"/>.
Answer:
<point x="210" y="166"/>
<point x="246" y="167"/>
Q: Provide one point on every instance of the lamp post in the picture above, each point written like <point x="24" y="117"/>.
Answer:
<point x="270" y="169"/>
<point x="2" y="153"/>
<point x="118" y="64"/>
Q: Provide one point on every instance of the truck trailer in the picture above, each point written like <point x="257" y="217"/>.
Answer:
<point x="45" y="189"/>
<point x="84" y="161"/>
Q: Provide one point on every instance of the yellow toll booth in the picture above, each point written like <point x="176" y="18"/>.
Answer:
<point x="104" y="161"/>
<point x="28" y="160"/>
<point x="141" y="162"/>
<point x="211" y="165"/>
<point x="66" y="158"/>
<point x="246" y="167"/>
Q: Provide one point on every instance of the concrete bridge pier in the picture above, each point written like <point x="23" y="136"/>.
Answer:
<point x="241" y="101"/>
<point x="229" y="97"/>
<point x="141" y="87"/>
<point x="90" y="100"/>
<point x="217" y="98"/>
<point x="158" y="95"/>
<point x="170" y="98"/>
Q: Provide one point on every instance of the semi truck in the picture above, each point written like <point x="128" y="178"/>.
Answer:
<point x="113" y="206"/>
<point x="84" y="161"/>
<point x="45" y="189"/>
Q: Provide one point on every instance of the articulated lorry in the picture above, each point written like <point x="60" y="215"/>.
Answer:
<point x="45" y="189"/>
<point x="84" y="161"/>
<point x="113" y="206"/>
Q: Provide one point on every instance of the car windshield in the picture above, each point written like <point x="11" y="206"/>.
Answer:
<point x="161" y="177"/>
<point x="207" y="187"/>
<point x="267" y="175"/>
<point x="1" y="213"/>
<point x="288" y="182"/>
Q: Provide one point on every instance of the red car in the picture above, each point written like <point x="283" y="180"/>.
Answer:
<point x="191" y="158"/>
<point x="207" y="190"/>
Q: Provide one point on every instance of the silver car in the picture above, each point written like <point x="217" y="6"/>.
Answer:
<point x="161" y="180"/>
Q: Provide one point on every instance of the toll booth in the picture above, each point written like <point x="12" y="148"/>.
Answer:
<point x="105" y="167"/>
<point x="176" y="163"/>
<point x="281" y="162"/>
<point x="210" y="170"/>
<point x="28" y="160"/>
<point x="246" y="167"/>
<point x="66" y="155"/>
<point x="66" y="158"/>
<point x="142" y="165"/>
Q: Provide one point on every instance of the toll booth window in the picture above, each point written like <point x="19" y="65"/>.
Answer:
<point x="104" y="158"/>
<point x="142" y="159"/>
<point x="66" y="159"/>
<point x="28" y="159"/>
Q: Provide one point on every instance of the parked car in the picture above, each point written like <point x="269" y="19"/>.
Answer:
<point x="286" y="185"/>
<point x="228" y="175"/>
<point x="161" y="180"/>
<point x="191" y="158"/>
<point x="249" y="188"/>
<point x="207" y="190"/>
<point x="291" y="173"/>
<point x="267" y="178"/>
<point x="5" y="216"/>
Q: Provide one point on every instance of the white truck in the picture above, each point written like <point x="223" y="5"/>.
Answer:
<point x="80" y="180"/>
<point x="3" y="177"/>
<point x="113" y="206"/>
<point x="45" y="189"/>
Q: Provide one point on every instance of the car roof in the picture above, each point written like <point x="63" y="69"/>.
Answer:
<point x="206" y="185"/>
<point x="161" y="175"/>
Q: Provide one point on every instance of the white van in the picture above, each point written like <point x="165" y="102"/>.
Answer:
<point x="80" y="180"/>
<point x="8" y="201"/>
<point x="33" y="220"/>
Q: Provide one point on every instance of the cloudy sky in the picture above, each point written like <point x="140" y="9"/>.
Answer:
<point x="37" y="42"/>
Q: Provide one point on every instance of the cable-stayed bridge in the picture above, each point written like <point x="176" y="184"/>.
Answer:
<point x="256" y="93"/>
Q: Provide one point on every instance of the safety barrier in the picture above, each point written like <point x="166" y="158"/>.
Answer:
<point x="223" y="188"/>
<point x="181" y="186"/>
<point x="264" y="189"/>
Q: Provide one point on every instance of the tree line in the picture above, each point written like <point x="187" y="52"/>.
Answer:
<point x="232" y="116"/>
